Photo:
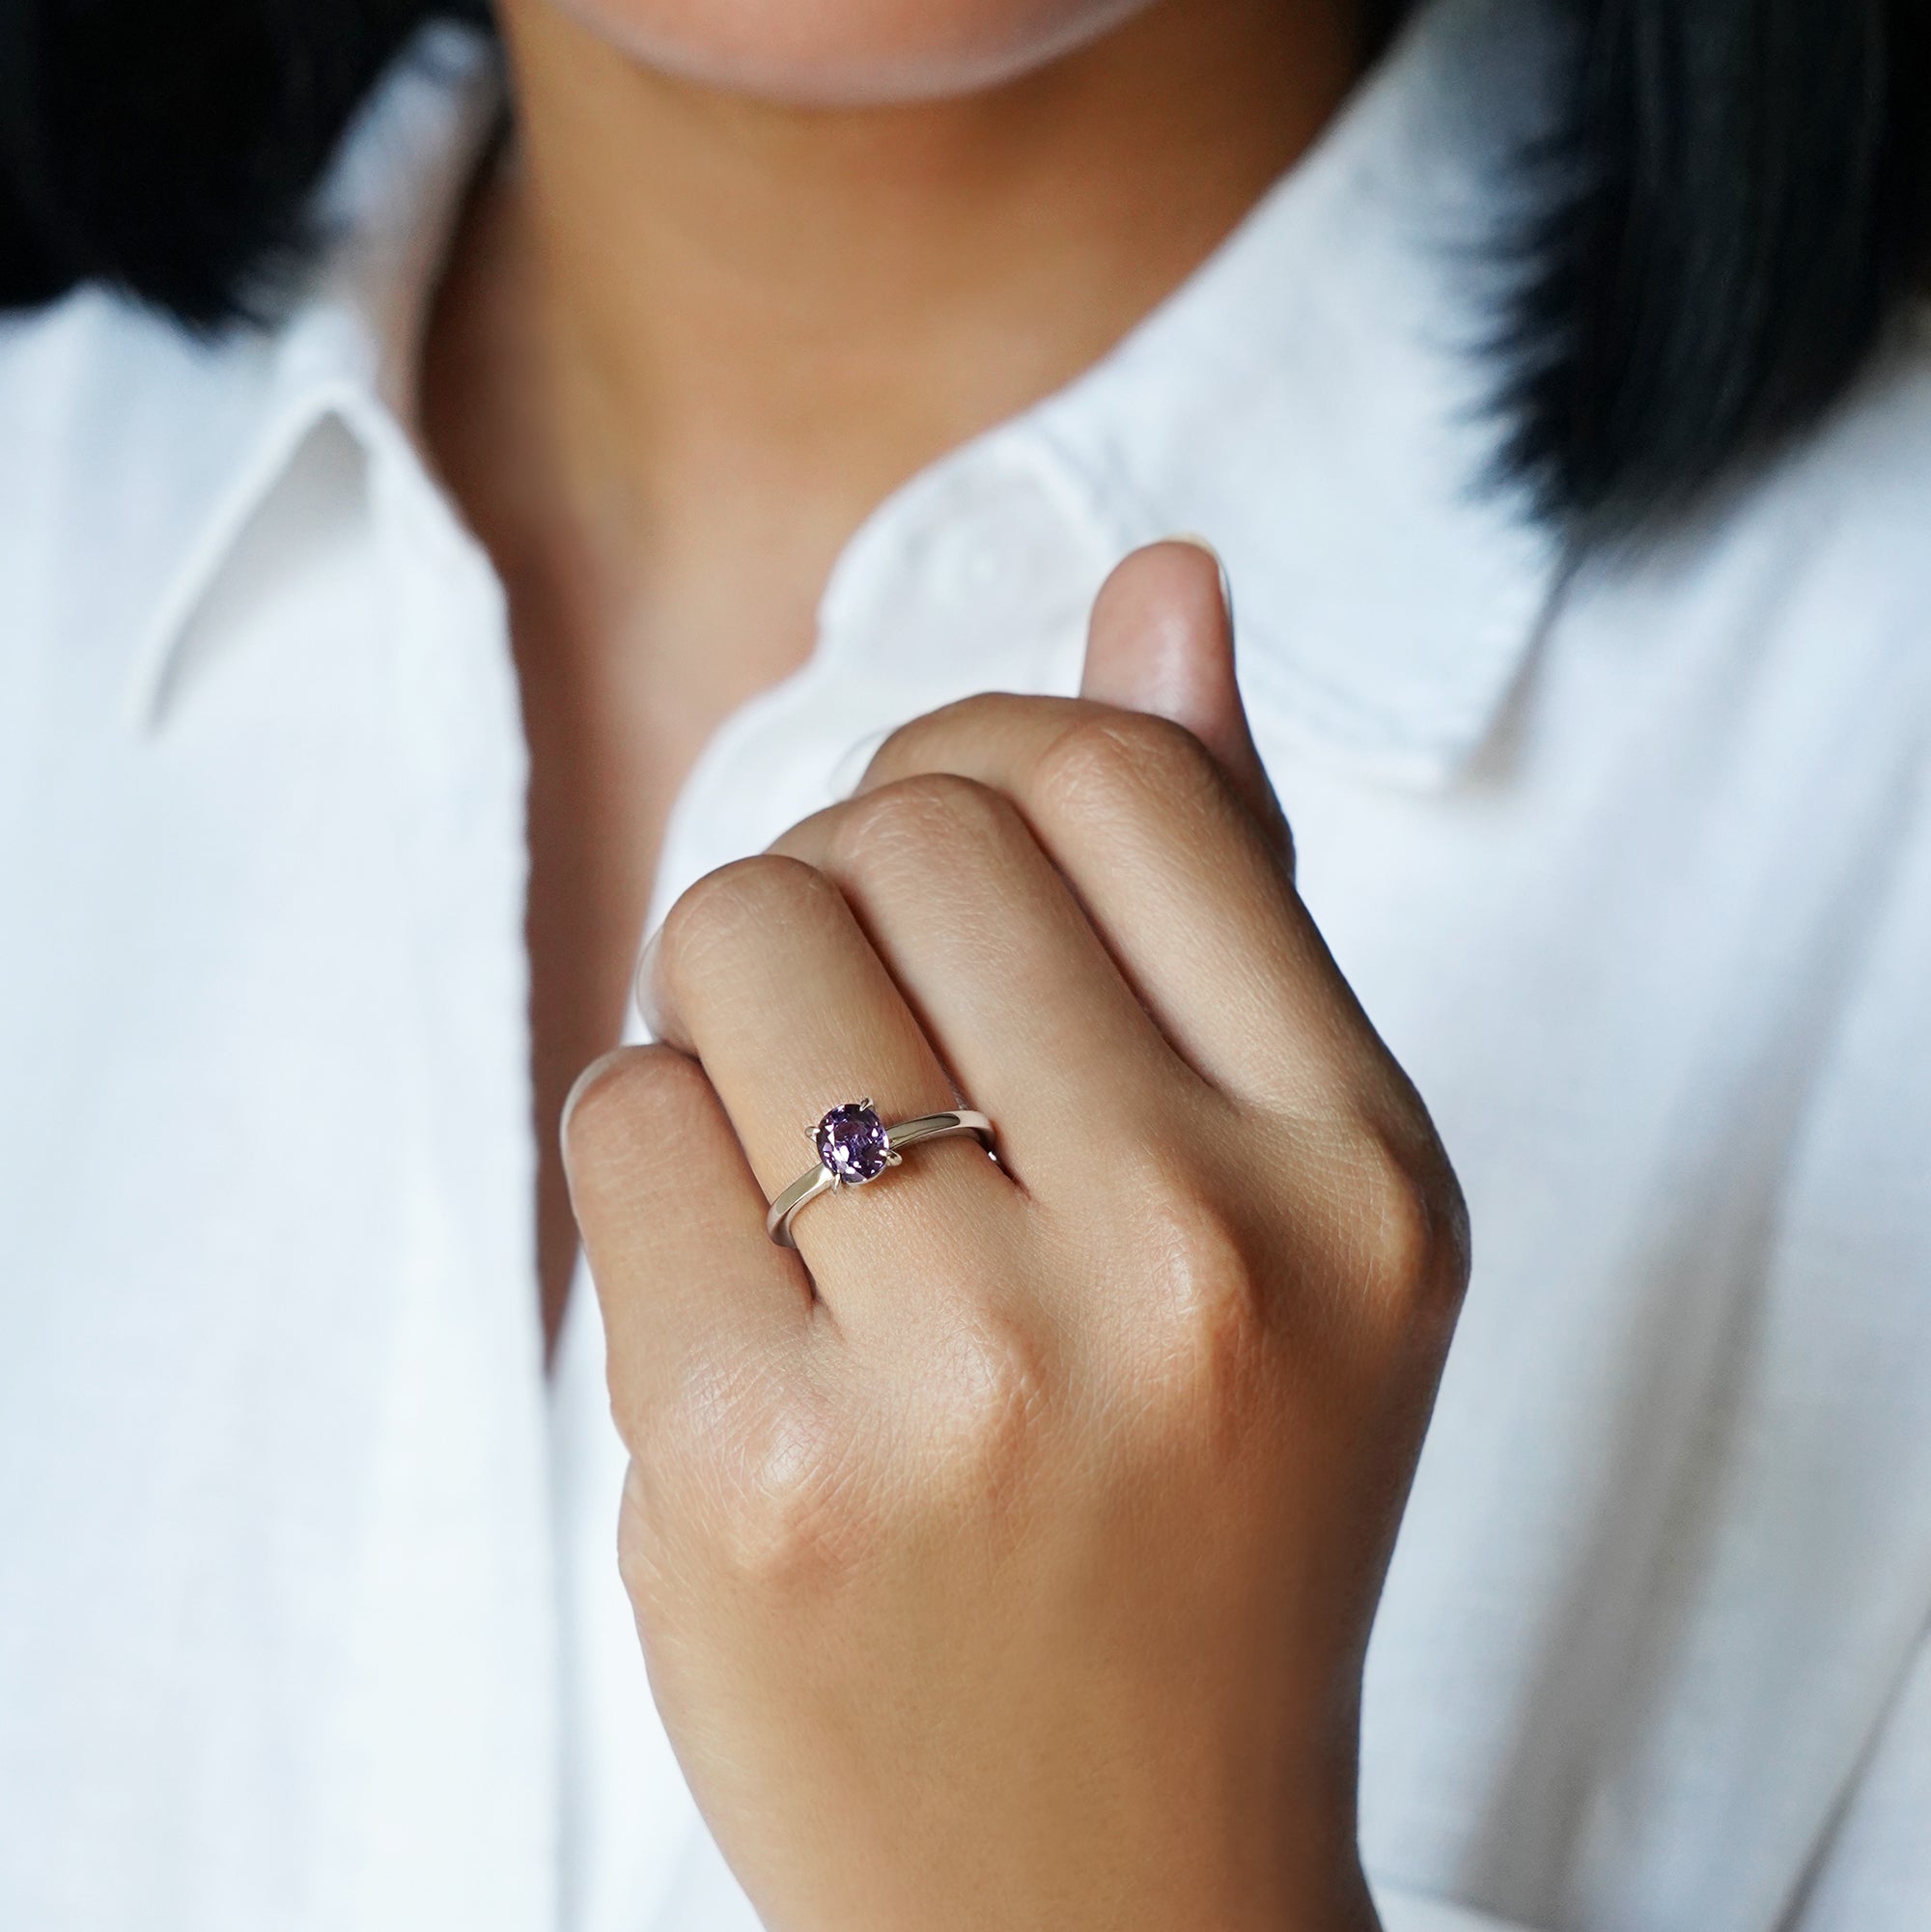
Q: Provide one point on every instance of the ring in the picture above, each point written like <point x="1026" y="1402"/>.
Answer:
<point x="854" y="1146"/>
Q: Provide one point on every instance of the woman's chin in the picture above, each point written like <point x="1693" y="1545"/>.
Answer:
<point x="840" y="53"/>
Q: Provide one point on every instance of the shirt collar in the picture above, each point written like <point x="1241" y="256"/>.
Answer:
<point x="238" y="408"/>
<point x="1313" y="400"/>
<point x="1316" y="402"/>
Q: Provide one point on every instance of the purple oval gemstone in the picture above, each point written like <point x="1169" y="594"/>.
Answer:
<point x="851" y="1143"/>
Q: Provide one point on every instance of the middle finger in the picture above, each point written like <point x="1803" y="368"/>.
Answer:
<point x="1012" y="987"/>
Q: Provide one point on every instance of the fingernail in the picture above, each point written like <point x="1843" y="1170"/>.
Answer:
<point x="1200" y="543"/>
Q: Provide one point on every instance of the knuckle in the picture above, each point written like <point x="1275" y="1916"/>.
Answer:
<point x="903" y="748"/>
<point x="797" y="1511"/>
<point x="1109" y="761"/>
<point x="1407" y="1228"/>
<point x="760" y="1480"/>
<point x="735" y="905"/>
<point x="1199" y="1303"/>
<point x="913" y="747"/>
<point x="916" y="822"/>
<point x="994" y="1379"/>
<point x="626" y="1097"/>
<point x="640" y="1563"/>
<point x="1212" y="1332"/>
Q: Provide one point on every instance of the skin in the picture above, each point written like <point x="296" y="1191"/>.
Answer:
<point x="690" y="337"/>
<point x="854" y="53"/>
<point x="1006" y="1557"/>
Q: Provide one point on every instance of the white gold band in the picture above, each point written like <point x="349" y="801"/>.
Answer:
<point x="907" y="1134"/>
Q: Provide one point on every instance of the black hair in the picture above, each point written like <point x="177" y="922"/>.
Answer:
<point x="171" y="150"/>
<point x="1732" y="207"/>
<point x="1736" y="208"/>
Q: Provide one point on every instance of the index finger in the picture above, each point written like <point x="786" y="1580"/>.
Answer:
<point x="1189" y="891"/>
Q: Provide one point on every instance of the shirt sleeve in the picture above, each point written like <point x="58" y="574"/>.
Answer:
<point x="1874" y="1873"/>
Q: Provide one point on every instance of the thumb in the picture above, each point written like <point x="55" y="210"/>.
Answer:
<point x="1162" y="640"/>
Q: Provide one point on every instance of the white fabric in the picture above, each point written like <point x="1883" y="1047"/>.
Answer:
<point x="308" y="1616"/>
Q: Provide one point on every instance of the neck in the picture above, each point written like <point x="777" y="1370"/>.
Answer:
<point x="687" y="340"/>
<point x="813" y="303"/>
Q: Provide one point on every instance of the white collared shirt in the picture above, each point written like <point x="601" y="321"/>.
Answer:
<point x="308" y="1610"/>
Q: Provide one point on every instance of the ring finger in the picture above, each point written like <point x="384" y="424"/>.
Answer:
<point x="762" y="973"/>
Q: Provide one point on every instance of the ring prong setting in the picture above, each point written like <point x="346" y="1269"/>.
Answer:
<point x="853" y="1145"/>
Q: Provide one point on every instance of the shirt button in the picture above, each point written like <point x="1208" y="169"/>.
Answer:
<point x="984" y="563"/>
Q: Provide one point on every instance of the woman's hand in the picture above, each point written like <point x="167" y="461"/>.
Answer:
<point x="1007" y="1559"/>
